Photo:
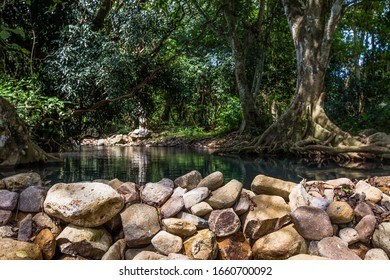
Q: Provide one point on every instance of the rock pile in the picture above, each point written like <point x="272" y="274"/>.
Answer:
<point x="195" y="218"/>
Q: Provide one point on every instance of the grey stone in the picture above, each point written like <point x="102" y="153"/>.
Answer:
<point x="8" y="200"/>
<point x="25" y="229"/>
<point x="376" y="254"/>
<point x="167" y="243"/>
<point x="5" y="216"/>
<point x="172" y="206"/>
<point x="156" y="194"/>
<point x="197" y="221"/>
<point x="201" y="209"/>
<point x="189" y="181"/>
<point x="381" y="237"/>
<point x="195" y="196"/>
<point x="365" y="228"/>
<point x="349" y="235"/>
<point x="21" y="181"/>
<point x="243" y="204"/>
<point x="31" y="199"/>
<point x="226" y="196"/>
<point x="212" y="181"/>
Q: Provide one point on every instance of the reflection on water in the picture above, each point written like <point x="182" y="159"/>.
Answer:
<point x="142" y="165"/>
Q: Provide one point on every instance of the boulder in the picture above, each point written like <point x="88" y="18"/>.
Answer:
<point x="312" y="223"/>
<point x="83" y="204"/>
<point x="279" y="245"/>
<point x="298" y="197"/>
<point x="243" y="204"/>
<point x="340" y="212"/>
<point x="271" y="186"/>
<point x="224" y="222"/>
<point x="202" y="246"/>
<point x="189" y="181"/>
<point x="372" y="194"/>
<point x="87" y="242"/>
<point x="114" y="183"/>
<point x="212" y="181"/>
<point x="381" y="237"/>
<point x="234" y="247"/>
<point x="129" y="192"/>
<point x="336" y="249"/>
<point x="270" y="214"/>
<point x="195" y="196"/>
<point x="179" y="227"/>
<point x="156" y="194"/>
<point x="201" y="209"/>
<point x="340" y="182"/>
<point x="172" y="206"/>
<point x="116" y="251"/>
<point x="21" y="181"/>
<point x="18" y="250"/>
<point x="226" y="196"/>
<point x="167" y="243"/>
<point x="31" y="199"/>
<point x="47" y="243"/>
<point x="8" y="200"/>
<point x="140" y="224"/>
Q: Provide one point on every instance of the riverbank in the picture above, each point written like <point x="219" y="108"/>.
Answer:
<point x="194" y="217"/>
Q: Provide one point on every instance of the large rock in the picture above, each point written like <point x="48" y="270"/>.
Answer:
<point x="195" y="196"/>
<point x="16" y="145"/>
<point x="372" y="194"/>
<point x="340" y="212"/>
<point x="31" y="199"/>
<point x="336" y="249"/>
<point x="381" y="237"/>
<point x="172" y="206"/>
<point x="202" y="246"/>
<point x="189" y="181"/>
<point x="201" y="209"/>
<point x="362" y="209"/>
<point x="179" y="227"/>
<point x="18" y="250"/>
<point x="224" y="222"/>
<point x="376" y="254"/>
<point x="243" y="204"/>
<point x="365" y="228"/>
<point x="140" y="224"/>
<point x="47" y="243"/>
<point x="42" y="220"/>
<point x="130" y="192"/>
<point x="8" y="200"/>
<point x="271" y="186"/>
<point x="312" y="223"/>
<point x="83" y="204"/>
<point x="279" y="245"/>
<point x="116" y="251"/>
<point x="234" y="247"/>
<point x="156" y="194"/>
<point x="212" y="181"/>
<point x="298" y="197"/>
<point x="87" y="242"/>
<point x="270" y="214"/>
<point x="21" y="181"/>
<point x="226" y="196"/>
<point x="167" y="243"/>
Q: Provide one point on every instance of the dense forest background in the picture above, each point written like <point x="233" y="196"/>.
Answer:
<point x="92" y="67"/>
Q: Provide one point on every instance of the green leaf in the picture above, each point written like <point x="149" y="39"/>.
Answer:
<point x="4" y="35"/>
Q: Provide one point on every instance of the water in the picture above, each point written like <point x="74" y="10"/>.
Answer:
<point x="142" y="165"/>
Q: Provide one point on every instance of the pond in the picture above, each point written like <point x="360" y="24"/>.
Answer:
<point x="151" y="164"/>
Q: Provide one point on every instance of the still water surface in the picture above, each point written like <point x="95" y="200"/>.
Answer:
<point x="151" y="164"/>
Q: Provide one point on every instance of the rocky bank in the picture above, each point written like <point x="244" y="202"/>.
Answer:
<point x="195" y="218"/>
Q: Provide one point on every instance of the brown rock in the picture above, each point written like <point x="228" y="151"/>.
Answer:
<point x="340" y="212"/>
<point x="116" y="251"/>
<point x="336" y="249"/>
<point x="47" y="243"/>
<point x="130" y="192"/>
<point x="21" y="181"/>
<point x="271" y="186"/>
<point x="189" y="181"/>
<point x="213" y="181"/>
<point x="359" y="249"/>
<point x="18" y="250"/>
<point x="202" y="246"/>
<point x="234" y="247"/>
<point x="362" y="209"/>
<point x="201" y="209"/>
<point x="224" y="222"/>
<point x="173" y="206"/>
<point x="366" y="228"/>
<point x="179" y="227"/>
<point x="115" y="183"/>
<point x="42" y="220"/>
<point x="226" y="196"/>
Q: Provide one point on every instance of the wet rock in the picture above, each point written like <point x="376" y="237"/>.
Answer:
<point x="21" y="181"/>
<point x="201" y="209"/>
<point x="195" y="196"/>
<point x="25" y="229"/>
<point x="167" y="243"/>
<point x="197" y="221"/>
<point x="47" y="243"/>
<point x="376" y="254"/>
<point x="372" y="194"/>
<point x="8" y="200"/>
<point x="362" y="209"/>
<point x="349" y="235"/>
<point x="270" y="214"/>
<point x="42" y="220"/>
<point x="202" y="246"/>
<point x="189" y="181"/>
<point x="224" y="222"/>
<point x="243" y="204"/>
<point x="173" y="206"/>
<point x="116" y="251"/>
<point x="312" y="223"/>
<point x="225" y="196"/>
<point x="129" y="192"/>
<point x="365" y="228"/>
<point x="336" y="249"/>
<point x="271" y="186"/>
<point x="279" y="245"/>
<point x="5" y="217"/>
<point x="340" y="212"/>
<point x="7" y="231"/>
<point x="31" y="199"/>
<point x="381" y="237"/>
<point x="83" y="204"/>
<point x="140" y="223"/>
<point x="298" y="197"/>
<point x="147" y="255"/>
<point x="234" y="247"/>
<point x="87" y="242"/>
<point x="156" y="194"/>
<point x="18" y="250"/>
<point x="213" y="181"/>
<point x="179" y="227"/>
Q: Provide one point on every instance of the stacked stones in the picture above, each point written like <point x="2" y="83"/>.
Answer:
<point x="194" y="218"/>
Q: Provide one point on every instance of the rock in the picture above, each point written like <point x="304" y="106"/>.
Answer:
<point x="343" y="182"/>
<point x="376" y="254"/>
<point x="140" y="134"/>
<point x="83" y="204"/>
<point x="189" y="181"/>
<point x="306" y="257"/>
<point x="42" y="220"/>
<point x="172" y="206"/>
<point x="225" y="196"/>
<point x="234" y="247"/>
<point x="118" y="139"/>
<point x="362" y="209"/>
<point x="7" y="231"/>
<point x="202" y="246"/>
<point x="359" y="249"/>
<point x="178" y="191"/>
<point x="140" y="224"/>
<point x="335" y="249"/>
<point x="25" y="229"/>
<point x="115" y="183"/>
<point x="87" y="242"/>
<point x="381" y="237"/>
<point x="2" y="185"/>
<point x="5" y="217"/>
<point x="270" y="214"/>
<point x="212" y="181"/>
<point x="132" y="252"/>
<point x="224" y="222"/>
<point x="100" y="142"/>
<point x="18" y="250"/>
<point x="116" y="251"/>
<point x="156" y="194"/>
<point x="201" y="209"/>
<point x="195" y="196"/>
<point x="197" y="221"/>
<point x="312" y="223"/>
<point x="298" y="197"/>
<point x="175" y="256"/>
<point x="47" y="243"/>
<point x="21" y="181"/>
<point x="243" y="204"/>
<point x="321" y="203"/>
<point x="8" y="200"/>
<point x="340" y="212"/>
<point x="147" y="255"/>
<point x="349" y="235"/>
<point x="379" y="139"/>
<point x="365" y="228"/>
<point x="372" y="194"/>
<point x="31" y="199"/>
<point x="129" y="192"/>
<point x="279" y="245"/>
<point x="179" y="227"/>
<point x="167" y="243"/>
<point x="114" y="224"/>
<point x="271" y="186"/>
